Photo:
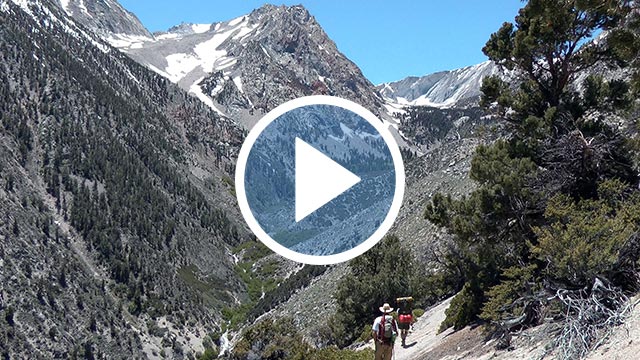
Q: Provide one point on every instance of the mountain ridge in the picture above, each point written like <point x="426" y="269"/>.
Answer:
<point x="443" y="89"/>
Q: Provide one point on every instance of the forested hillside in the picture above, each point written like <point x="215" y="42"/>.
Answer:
<point x="114" y="199"/>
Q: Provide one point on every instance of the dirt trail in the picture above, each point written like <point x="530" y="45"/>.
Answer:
<point x="423" y="336"/>
<point x="423" y="342"/>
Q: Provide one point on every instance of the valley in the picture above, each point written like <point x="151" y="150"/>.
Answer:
<point x="121" y="235"/>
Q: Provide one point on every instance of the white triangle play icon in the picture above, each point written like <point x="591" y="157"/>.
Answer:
<point x="319" y="179"/>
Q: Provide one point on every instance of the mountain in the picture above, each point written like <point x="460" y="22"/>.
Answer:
<point x="441" y="89"/>
<point x="118" y="213"/>
<point x="247" y="66"/>
<point x="121" y="236"/>
<point x="104" y="17"/>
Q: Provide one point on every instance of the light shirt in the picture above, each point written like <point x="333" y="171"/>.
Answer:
<point x="378" y="321"/>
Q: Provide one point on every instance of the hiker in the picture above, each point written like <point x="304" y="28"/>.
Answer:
<point x="405" y="316"/>
<point x="384" y="333"/>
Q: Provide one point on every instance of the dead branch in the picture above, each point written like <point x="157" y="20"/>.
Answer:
<point x="589" y="317"/>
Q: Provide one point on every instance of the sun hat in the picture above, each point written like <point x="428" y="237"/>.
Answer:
<point x="386" y="308"/>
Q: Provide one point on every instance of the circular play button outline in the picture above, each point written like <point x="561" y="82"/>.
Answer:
<point x="359" y="249"/>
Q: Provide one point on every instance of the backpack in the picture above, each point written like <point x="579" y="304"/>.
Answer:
<point x="385" y="331"/>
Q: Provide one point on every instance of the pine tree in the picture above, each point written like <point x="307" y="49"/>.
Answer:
<point x="560" y="143"/>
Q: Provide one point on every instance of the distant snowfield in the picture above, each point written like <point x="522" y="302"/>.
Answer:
<point x="124" y="41"/>
<point x="442" y="90"/>
<point x="205" y="56"/>
<point x="200" y="28"/>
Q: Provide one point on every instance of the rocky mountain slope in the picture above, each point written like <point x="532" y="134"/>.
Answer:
<point x="118" y="215"/>
<point x="441" y="89"/>
<point x="247" y="66"/>
<point x="244" y="67"/>
<point x="104" y="17"/>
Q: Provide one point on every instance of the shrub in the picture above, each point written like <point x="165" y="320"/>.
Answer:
<point x="584" y="238"/>
<point x="462" y="310"/>
<point x="417" y="313"/>
<point x="379" y="276"/>
<point x="502" y="297"/>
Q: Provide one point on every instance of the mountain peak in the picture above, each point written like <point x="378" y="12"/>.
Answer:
<point x="186" y="28"/>
<point x="439" y="89"/>
<point x="104" y="17"/>
<point x="297" y="13"/>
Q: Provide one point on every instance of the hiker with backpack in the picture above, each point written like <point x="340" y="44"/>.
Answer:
<point x="405" y="316"/>
<point x="384" y="333"/>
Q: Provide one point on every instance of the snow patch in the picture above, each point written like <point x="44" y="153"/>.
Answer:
<point x="196" y="90"/>
<point x="244" y="31"/>
<point x="200" y="28"/>
<point x="224" y="63"/>
<point x="208" y="52"/>
<point x="167" y="36"/>
<point x="158" y="71"/>
<point x="236" y="21"/>
<point x="179" y="65"/>
<point x="24" y="5"/>
<point x="225" y="344"/>
<point x="394" y="108"/>
<point x="122" y="41"/>
<point x="264" y="50"/>
<point x="65" y="6"/>
<point x="238" y="82"/>
<point x="82" y="7"/>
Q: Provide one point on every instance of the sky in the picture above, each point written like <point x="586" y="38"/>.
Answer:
<point x="389" y="40"/>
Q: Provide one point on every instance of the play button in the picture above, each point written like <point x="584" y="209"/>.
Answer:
<point x="319" y="180"/>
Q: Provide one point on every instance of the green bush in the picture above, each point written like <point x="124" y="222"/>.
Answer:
<point x="209" y="354"/>
<point x="463" y="308"/>
<point x="583" y="239"/>
<point x="333" y="353"/>
<point x="555" y="147"/>
<point x="278" y="339"/>
<point x="500" y="304"/>
<point x="417" y="313"/>
<point x="365" y="334"/>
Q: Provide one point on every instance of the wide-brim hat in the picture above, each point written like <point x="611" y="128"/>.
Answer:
<point x="386" y="308"/>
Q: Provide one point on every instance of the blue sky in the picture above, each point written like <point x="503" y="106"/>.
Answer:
<point x="388" y="40"/>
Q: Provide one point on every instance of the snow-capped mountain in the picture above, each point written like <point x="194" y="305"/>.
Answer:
<point x="104" y="17"/>
<point x="245" y="67"/>
<point x="442" y="89"/>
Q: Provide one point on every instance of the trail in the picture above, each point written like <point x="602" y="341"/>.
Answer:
<point x="423" y="343"/>
<point x="424" y="335"/>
